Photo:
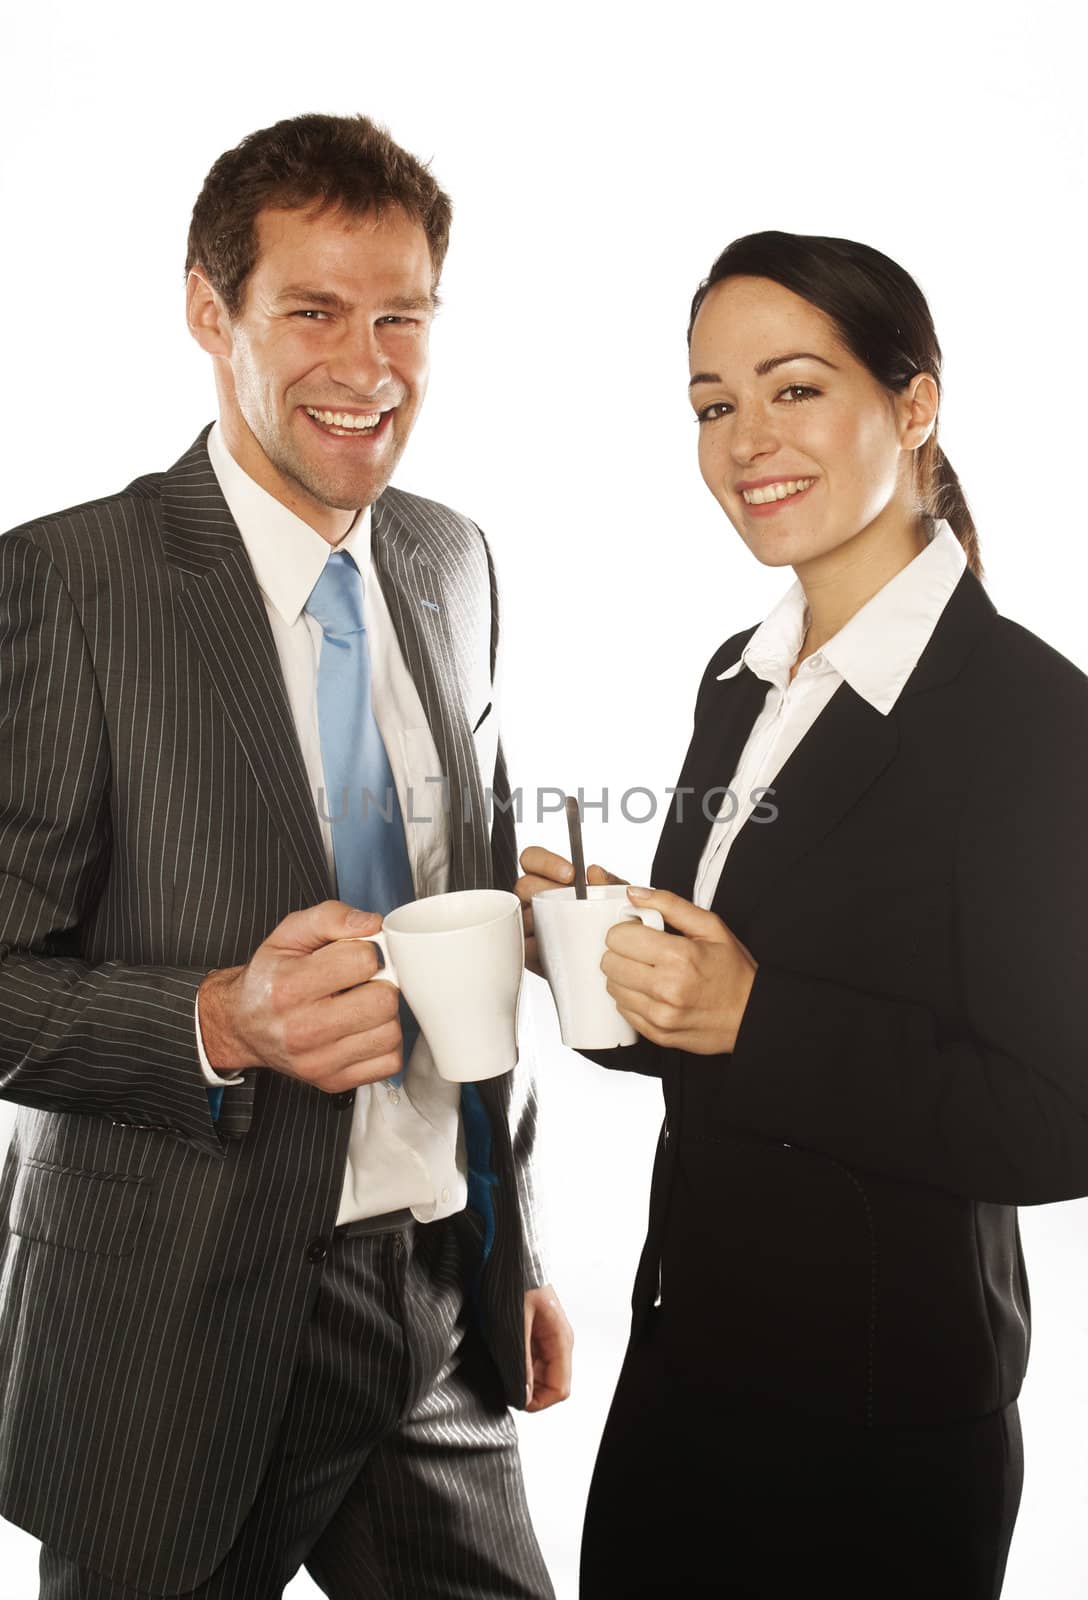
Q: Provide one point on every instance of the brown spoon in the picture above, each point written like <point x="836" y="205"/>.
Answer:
<point x="574" y="828"/>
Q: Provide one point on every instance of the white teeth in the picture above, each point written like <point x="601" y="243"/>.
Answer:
<point x="776" y="491"/>
<point x="345" y="420"/>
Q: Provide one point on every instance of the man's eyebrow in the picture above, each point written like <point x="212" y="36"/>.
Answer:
<point x="334" y="302"/>
<point x="763" y="367"/>
<point x="412" y="302"/>
<point x="317" y="297"/>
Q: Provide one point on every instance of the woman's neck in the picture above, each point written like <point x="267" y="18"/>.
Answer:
<point x="839" y="583"/>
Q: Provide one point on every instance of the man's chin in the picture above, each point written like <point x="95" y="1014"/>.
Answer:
<point x="347" y="493"/>
<point x="354" y="500"/>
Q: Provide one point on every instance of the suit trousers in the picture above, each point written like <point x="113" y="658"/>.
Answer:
<point x="694" y="1495"/>
<point x="396" y="1473"/>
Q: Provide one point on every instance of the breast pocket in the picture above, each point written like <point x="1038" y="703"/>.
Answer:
<point x="100" y="1213"/>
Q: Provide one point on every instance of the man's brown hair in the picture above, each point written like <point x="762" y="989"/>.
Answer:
<point x="312" y="160"/>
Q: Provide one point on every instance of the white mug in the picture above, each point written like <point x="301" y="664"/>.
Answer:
<point x="570" y="940"/>
<point x="458" y="959"/>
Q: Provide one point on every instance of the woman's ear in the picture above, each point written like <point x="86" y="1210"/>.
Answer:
<point x="917" y="410"/>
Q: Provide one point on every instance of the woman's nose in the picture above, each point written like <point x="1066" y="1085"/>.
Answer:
<point x="751" y="436"/>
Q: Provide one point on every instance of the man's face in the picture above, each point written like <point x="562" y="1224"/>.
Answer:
<point x="327" y="362"/>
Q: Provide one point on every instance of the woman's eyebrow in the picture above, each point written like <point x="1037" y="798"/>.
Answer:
<point x="761" y="368"/>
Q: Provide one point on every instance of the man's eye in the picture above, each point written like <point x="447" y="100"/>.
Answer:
<point x="392" y="318"/>
<point x="310" y="313"/>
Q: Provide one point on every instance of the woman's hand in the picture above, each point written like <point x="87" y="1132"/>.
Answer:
<point x="687" y="993"/>
<point x="544" y="870"/>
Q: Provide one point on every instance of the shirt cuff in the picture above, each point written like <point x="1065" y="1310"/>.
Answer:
<point x="210" y="1075"/>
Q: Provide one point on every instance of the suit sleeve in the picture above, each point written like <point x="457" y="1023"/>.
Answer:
<point x="110" y="1039"/>
<point x="643" y="1056"/>
<point x="999" y="1111"/>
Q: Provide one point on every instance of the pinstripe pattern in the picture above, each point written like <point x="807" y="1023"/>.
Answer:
<point x="394" y="1477"/>
<point x="155" y="822"/>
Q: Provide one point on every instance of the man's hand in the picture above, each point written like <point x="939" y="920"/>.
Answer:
<point x="544" y="870"/>
<point x="549" y="1340"/>
<point x="686" y="994"/>
<point x="297" y="1005"/>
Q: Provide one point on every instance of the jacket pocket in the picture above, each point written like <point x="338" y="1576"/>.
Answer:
<point x="768" y="1266"/>
<point x="97" y="1212"/>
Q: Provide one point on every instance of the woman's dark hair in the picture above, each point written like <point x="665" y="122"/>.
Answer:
<point x="312" y="160"/>
<point x="881" y="317"/>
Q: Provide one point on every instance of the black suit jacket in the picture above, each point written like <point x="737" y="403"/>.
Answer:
<point x="156" y="821"/>
<point x="833" y="1207"/>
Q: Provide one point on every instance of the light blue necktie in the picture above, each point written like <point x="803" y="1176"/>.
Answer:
<point x="372" y="866"/>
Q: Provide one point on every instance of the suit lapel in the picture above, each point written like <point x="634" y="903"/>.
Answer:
<point x="723" y="721"/>
<point x="839" y="759"/>
<point x="225" y="617"/>
<point x="411" y="578"/>
<point x="843" y="753"/>
<point x="412" y="583"/>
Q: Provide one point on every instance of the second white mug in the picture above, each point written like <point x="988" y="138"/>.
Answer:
<point x="570" y="940"/>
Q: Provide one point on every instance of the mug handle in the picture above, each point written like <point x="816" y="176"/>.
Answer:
<point x="388" y="973"/>
<point x="644" y="914"/>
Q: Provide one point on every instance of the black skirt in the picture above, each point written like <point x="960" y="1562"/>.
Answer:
<point x="692" y="1495"/>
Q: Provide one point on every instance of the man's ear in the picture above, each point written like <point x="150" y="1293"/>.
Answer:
<point x="207" y="316"/>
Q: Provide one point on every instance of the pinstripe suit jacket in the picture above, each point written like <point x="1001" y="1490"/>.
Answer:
<point x="156" y="822"/>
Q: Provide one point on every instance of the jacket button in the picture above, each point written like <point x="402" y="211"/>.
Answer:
<point x="317" y="1250"/>
<point x="342" y="1101"/>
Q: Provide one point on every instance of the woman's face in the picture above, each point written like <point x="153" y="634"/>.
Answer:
<point x="798" y="442"/>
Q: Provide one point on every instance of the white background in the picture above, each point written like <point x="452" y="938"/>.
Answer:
<point x="599" y="157"/>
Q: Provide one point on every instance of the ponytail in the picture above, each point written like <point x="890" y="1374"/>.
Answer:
<point x="942" y="496"/>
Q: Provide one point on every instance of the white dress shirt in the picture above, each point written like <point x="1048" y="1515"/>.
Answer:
<point x="406" y="1148"/>
<point x="875" y="653"/>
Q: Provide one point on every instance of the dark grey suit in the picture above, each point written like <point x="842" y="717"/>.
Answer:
<point x="156" y="822"/>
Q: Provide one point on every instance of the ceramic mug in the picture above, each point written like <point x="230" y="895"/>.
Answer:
<point x="458" y="959"/>
<point x="570" y="941"/>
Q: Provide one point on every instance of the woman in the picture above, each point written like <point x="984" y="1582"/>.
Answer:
<point x="868" y="1016"/>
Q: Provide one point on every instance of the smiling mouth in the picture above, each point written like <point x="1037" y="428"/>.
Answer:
<point x="347" y="424"/>
<point x="784" y="490"/>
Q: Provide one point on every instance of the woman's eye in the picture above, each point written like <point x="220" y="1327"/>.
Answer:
<point x="799" y="391"/>
<point x="711" y="413"/>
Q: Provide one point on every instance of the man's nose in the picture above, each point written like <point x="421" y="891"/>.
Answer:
<point x="360" y="362"/>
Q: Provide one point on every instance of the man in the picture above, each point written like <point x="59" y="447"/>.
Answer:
<point x="248" y="1318"/>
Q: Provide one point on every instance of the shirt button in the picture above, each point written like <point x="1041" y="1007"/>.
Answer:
<point x="445" y="1194"/>
<point x="342" y="1101"/>
<point x="394" y="1097"/>
<point x="317" y="1250"/>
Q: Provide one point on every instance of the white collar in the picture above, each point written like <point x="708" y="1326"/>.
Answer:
<point x="878" y="649"/>
<point x="287" y="555"/>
